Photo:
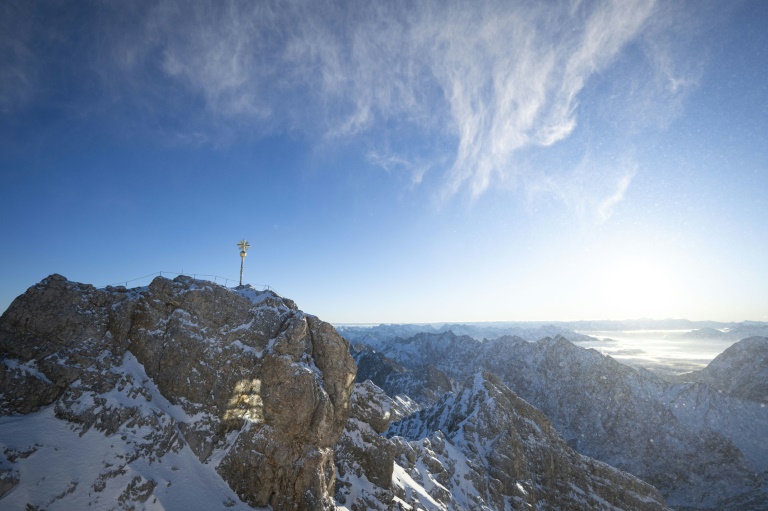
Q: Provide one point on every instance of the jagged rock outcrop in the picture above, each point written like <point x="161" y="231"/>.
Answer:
<point x="516" y="457"/>
<point x="425" y="386"/>
<point x="481" y="449"/>
<point x="187" y="395"/>
<point x="698" y="447"/>
<point x="240" y="380"/>
<point x="363" y="455"/>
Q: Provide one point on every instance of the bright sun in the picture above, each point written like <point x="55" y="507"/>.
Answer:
<point x="637" y="287"/>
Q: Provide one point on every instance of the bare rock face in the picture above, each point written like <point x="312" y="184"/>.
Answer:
<point x="479" y="449"/>
<point x="699" y="447"/>
<point x="363" y="454"/>
<point x="243" y="379"/>
<point x="488" y="449"/>
<point x="424" y="386"/>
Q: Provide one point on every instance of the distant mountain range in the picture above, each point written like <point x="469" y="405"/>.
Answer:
<point x="188" y="395"/>
<point x="701" y="444"/>
<point x="534" y="330"/>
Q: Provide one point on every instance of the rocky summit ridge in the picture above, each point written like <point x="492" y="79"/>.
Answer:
<point x="179" y="373"/>
<point x="185" y="394"/>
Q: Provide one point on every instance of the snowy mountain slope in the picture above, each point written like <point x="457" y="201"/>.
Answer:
<point x="185" y="394"/>
<point x="378" y="336"/>
<point x="375" y="335"/>
<point x="743" y="422"/>
<point x="134" y="462"/>
<point x="741" y="370"/>
<point x="625" y="417"/>
<point x="157" y="395"/>
<point x="747" y="329"/>
<point x="424" y="387"/>
<point x="481" y="449"/>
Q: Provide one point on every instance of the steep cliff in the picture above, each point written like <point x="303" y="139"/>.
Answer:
<point x="236" y="386"/>
<point x="425" y="386"/>
<point x="482" y="448"/>
<point x="701" y="448"/>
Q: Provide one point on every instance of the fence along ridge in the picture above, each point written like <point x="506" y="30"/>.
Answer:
<point x="265" y="287"/>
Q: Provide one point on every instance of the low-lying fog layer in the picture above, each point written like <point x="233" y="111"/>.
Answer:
<point x="663" y="351"/>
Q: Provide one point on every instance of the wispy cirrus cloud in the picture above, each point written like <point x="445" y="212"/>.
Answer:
<point x="486" y="79"/>
<point x="591" y="189"/>
<point x="18" y="61"/>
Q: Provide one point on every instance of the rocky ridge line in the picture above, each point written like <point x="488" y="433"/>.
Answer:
<point x="252" y="386"/>
<point x="482" y="448"/>
<point x="701" y="448"/>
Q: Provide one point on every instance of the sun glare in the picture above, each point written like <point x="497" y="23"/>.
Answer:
<point x="638" y="287"/>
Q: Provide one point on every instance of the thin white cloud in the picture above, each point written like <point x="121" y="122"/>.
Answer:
<point x="212" y="49"/>
<point x="487" y="79"/>
<point x="19" y="77"/>
<point x="605" y="207"/>
<point x="392" y="162"/>
<point x="512" y="79"/>
<point x="592" y="189"/>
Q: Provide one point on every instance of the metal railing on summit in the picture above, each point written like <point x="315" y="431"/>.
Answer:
<point x="216" y="279"/>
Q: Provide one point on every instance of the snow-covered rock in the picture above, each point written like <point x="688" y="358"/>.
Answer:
<point x="188" y="395"/>
<point x="741" y="370"/>
<point x="180" y="395"/>
<point x="379" y="335"/>
<point x="424" y="387"/>
<point x="481" y="449"/>
<point x="699" y="447"/>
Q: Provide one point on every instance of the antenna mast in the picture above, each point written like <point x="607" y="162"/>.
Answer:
<point x="244" y="246"/>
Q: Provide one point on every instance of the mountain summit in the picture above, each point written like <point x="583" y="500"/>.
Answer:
<point x="189" y="395"/>
<point x="180" y="395"/>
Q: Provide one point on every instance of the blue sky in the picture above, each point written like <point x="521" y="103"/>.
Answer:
<point x="395" y="161"/>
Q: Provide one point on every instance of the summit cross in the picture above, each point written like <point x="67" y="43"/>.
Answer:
<point x="244" y="246"/>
